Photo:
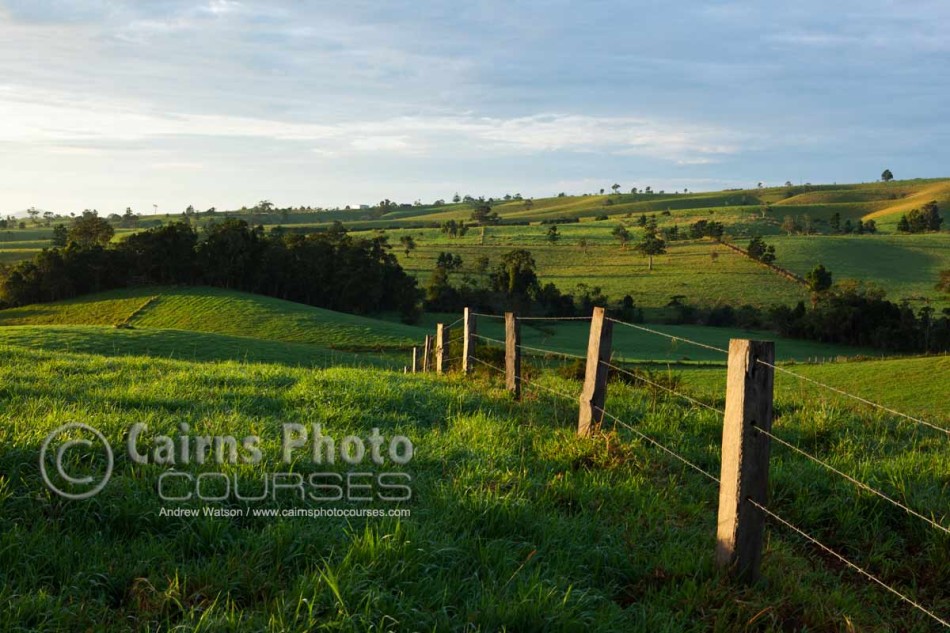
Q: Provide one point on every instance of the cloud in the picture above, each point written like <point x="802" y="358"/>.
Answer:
<point x="30" y="116"/>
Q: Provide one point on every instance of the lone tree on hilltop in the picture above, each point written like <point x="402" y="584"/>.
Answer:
<point x="615" y="187"/>
<point x="651" y="244"/>
<point x="887" y="176"/>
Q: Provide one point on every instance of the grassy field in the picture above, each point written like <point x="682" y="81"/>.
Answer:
<point x="631" y="344"/>
<point x="217" y="311"/>
<point x="905" y="265"/>
<point x="197" y="346"/>
<point x="920" y="389"/>
<point x="214" y="324"/>
<point x="516" y="524"/>
<point x="687" y="270"/>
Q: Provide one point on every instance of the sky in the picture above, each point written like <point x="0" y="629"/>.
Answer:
<point x="165" y="103"/>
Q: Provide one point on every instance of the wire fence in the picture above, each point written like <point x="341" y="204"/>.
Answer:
<point x="670" y="452"/>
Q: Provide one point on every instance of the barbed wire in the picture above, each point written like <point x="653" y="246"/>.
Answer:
<point x="856" y="482"/>
<point x="552" y="352"/>
<point x="489" y="339"/>
<point x="854" y="397"/>
<point x="847" y="562"/>
<point x="526" y="382"/>
<point x="487" y="316"/>
<point x="616" y="420"/>
<point x="669" y="336"/>
<point x="663" y="448"/>
<point x="533" y="349"/>
<point x="668" y="389"/>
<point x="789" y="445"/>
<point x="564" y="318"/>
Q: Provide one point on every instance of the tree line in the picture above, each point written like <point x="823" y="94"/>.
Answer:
<point x="330" y="269"/>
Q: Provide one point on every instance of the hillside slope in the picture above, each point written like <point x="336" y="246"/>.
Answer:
<point x="213" y="310"/>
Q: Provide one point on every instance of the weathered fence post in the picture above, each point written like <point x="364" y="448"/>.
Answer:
<point x="745" y="457"/>
<point x="415" y="359"/>
<point x="426" y="352"/>
<point x="595" y="377"/>
<point x="468" y="340"/>
<point x="513" y="354"/>
<point x="441" y="341"/>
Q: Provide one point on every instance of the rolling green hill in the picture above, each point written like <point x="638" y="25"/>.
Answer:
<point x="905" y="266"/>
<point x="181" y="344"/>
<point x="213" y="310"/>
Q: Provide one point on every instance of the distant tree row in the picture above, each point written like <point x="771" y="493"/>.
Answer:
<point x="860" y="227"/>
<point x="330" y="269"/>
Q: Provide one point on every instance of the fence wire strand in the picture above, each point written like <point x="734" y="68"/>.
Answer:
<point x="856" y="482"/>
<point x="710" y="476"/>
<point x="533" y="349"/>
<point x="663" y="448"/>
<point x="527" y="382"/>
<point x="854" y="397"/>
<point x="847" y="562"/>
<point x="667" y="389"/>
<point x="565" y="318"/>
<point x="669" y="336"/>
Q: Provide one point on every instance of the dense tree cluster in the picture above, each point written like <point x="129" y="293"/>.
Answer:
<point x="330" y="270"/>
<point x="922" y="220"/>
<point x="848" y="313"/>
<point x="760" y="251"/>
<point x="855" y="314"/>
<point x="706" y="228"/>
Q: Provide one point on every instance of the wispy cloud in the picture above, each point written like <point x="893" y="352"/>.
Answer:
<point x="28" y="116"/>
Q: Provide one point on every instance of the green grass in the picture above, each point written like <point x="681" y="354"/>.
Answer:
<point x="688" y="268"/>
<point x="516" y="523"/>
<point x="198" y="346"/>
<point x="906" y="266"/>
<point x="915" y="386"/>
<point x="213" y="310"/>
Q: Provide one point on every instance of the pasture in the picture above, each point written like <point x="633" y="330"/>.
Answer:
<point x="507" y="505"/>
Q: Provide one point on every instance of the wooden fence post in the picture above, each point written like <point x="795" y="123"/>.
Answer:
<point x="468" y="341"/>
<point x="513" y="354"/>
<point x="745" y="457"/>
<point x="415" y="359"/>
<point x="594" y="393"/>
<point x="441" y="341"/>
<point x="426" y="352"/>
